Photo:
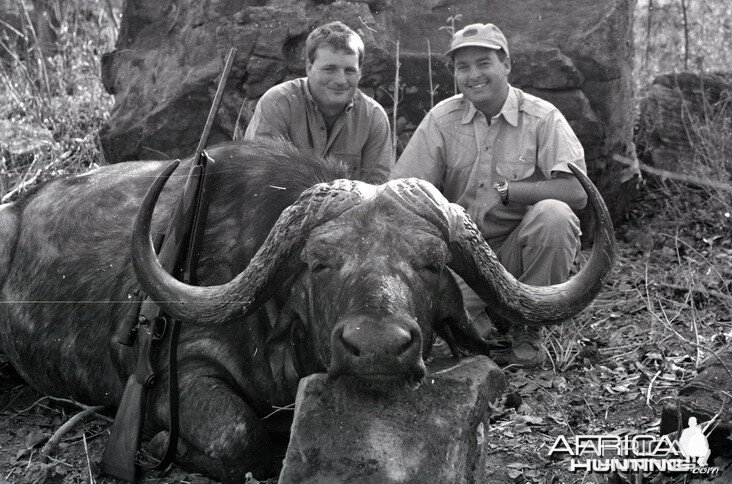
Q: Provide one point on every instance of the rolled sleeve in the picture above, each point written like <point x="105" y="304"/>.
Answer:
<point x="424" y="156"/>
<point x="558" y="146"/>
<point x="377" y="155"/>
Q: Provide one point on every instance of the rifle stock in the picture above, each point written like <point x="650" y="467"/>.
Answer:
<point x="119" y="455"/>
<point x="126" y="433"/>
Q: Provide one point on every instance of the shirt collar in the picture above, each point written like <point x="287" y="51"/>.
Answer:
<point x="311" y="100"/>
<point x="509" y="110"/>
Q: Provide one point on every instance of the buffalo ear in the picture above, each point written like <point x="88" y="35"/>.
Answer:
<point x="453" y="324"/>
<point x="282" y="310"/>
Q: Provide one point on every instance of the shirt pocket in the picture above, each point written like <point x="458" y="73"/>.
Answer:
<point x="518" y="164"/>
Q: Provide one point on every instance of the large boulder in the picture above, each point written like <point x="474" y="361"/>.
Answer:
<point x="168" y="55"/>
<point x="345" y="432"/>
<point x="705" y="398"/>
<point x="680" y="115"/>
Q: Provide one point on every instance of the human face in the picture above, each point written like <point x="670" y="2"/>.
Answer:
<point x="482" y="77"/>
<point x="333" y="78"/>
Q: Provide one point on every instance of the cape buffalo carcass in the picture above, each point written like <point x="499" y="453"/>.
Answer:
<point x="299" y="269"/>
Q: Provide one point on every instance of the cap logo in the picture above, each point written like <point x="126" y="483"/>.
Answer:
<point x="470" y="32"/>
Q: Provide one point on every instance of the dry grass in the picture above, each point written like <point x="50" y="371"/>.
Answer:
<point x="56" y="97"/>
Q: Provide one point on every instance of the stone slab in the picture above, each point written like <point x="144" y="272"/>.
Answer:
<point x="705" y="398"/>
<point x="344" y="431"/>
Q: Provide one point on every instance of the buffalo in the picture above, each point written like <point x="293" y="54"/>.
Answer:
<point x="301" y="271"/>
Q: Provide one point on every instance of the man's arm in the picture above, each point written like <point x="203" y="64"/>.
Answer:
<point x="564" y="187"/>
<point x="377" y="155"/>
<point x="271" y="117"/>
<point x="557" y="146"/>
<point x="424" y="156"/>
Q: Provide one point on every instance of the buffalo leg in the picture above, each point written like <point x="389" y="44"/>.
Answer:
<point x="221" y="435"/>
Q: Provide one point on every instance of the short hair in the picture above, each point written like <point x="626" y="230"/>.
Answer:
<point x="337" y="35"/>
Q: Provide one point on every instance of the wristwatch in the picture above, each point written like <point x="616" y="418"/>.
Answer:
<point x="502" y="189"/>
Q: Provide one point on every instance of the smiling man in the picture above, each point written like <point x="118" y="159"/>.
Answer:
<point x="325" y="112"/>
<point x="502" y="154"/>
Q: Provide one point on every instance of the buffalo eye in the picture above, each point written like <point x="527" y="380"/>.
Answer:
<point x="317" y="266"/>
<point x="432" y="267"/>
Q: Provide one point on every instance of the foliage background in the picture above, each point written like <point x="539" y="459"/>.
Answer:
<point x="660" y="40"/>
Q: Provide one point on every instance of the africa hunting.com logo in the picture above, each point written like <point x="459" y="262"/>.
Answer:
<point x="644" y="453"/>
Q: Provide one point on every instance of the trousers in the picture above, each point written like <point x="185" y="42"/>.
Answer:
<point x="540" y="251"/>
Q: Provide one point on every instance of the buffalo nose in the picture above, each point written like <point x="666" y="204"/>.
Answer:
<point x="377" y="347"/>
<point x="386" y="340"/>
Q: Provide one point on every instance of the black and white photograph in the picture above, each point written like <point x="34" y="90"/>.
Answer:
<point x="366" y="241"/>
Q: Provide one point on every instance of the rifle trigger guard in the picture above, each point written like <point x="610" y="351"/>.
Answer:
<point x="161" y="326"/>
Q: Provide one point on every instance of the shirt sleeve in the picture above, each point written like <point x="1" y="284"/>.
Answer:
<point x="424" y="156"/>
<point x="270" y="119"/>
<point x="377" y="155"/>
<point x="558" y="145"/>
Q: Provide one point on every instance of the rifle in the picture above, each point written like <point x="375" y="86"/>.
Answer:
<point x="145" y="322"/>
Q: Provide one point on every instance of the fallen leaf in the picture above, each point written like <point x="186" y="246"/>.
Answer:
<point x="532" y="473"/>
<point x="529" y="419"/>
<point x="557" y="417"/>
<point x="543" y="383"/>
<point x="35" y="438"/>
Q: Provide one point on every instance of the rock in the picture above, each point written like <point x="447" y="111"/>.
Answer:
<point x="703" y="398"/>
<point x="343" y="432"/>
<point x="557" y="70"/>
<point x="168" y="56"/>
<point x="674" y="110"/>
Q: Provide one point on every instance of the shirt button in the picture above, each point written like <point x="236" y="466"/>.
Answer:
<point x="482" y="185"/>
<point x="487" y="148"/>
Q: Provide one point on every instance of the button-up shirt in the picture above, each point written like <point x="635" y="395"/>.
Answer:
<point x="463" y="154"/>
<point x="359" y="137"/>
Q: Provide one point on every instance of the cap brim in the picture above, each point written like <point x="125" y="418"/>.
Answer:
<point x="474" y="44"/>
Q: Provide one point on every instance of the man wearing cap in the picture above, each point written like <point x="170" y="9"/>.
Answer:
<point x="502" y="154"/>
<point x="325" y="112"/>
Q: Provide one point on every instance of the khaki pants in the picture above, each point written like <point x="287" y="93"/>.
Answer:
<point x="540" y="251"/>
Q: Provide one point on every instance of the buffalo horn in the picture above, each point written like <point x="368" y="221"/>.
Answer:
<point x="253" y="286"/>
<point x="477" y="264"/>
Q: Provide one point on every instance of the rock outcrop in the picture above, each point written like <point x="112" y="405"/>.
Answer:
<point x="169" y="53"/>
<point x="680" y="117"/>
<point x="705" y="398"/>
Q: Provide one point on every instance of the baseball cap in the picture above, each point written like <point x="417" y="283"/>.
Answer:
<point x="478" y="35"/>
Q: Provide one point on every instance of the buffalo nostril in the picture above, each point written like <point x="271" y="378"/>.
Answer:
<point x="351" y="348"/>
<point x="407" y="344"/>
<point x="386" y="339"/>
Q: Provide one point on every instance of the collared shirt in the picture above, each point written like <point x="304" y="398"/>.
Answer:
<point x="359" y="137"/>
<point x="457" y="150"/>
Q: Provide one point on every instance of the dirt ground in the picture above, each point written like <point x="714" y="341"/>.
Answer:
<point x="611" y="370"/>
